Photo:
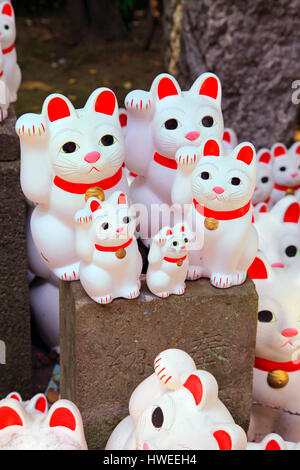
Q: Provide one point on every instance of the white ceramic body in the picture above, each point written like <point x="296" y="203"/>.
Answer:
<point x="264" y="178"/>
<point x="290" y="177"/>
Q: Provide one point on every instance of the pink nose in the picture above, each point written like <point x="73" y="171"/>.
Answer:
<point x="218" y="190"/>
<point x="192" y="135"/>
<point x="256" y="188"/>
<point x="289" y="332"/>
<point x="92" y="157"/>
<point x="293" y="175"/>
<point x="145" y="446"/>
<point x="120" y="229"/>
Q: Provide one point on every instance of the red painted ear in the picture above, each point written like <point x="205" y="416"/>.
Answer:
<point x="223" y="439"/>
<point x="7" y="9"/>
<point x="279" y="150"/>
<point x="63" y="417"/>
<point x="123" y="119"/>
<point x="292" y="214"/>
<point x="9" y="417"/>
<point x="258" y="270"/>
<point x="41" y="404"/>
<point x="265" y="157"/>
<point x="182" y="229"/>
<point x="211" y="148"/>
<point x="166" y="87"/>
<point x="298" y="149"/>
<point x="106" y="103"/>
<point x="14" y="396"/>
<point x="122" y="199"/>
<point x="210" y="88"/>
<point x="194" y="385"/>
<point x="57" y="109"/>
<point x="272" y="445"/>
<point x="226" y="137"/>
<point x="263" y="208"/>
<point x="169" y="232"/>
<point x="246" y="154"/>
<point x="95" y="205"/>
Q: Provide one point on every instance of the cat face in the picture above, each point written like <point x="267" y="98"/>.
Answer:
<point x="224" y="183"/>
<point x="87" y="145"/>
<point x="286" y="164"/>
<point x="278" y="311"/>
<point x="176" y="241"/>
<point x="7" y="25"/>
<point x="264" y="177"/>
<point x="185" y="118"/>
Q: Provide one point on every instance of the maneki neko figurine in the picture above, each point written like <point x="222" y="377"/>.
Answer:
<point x="219" y="189"/>
<point x="35" y="428"/>
<point x="264" y="178"/>
<point x="279" y="232"/>
<point x="177" y="408"/>
<point x="37" y="404"/>
<point x="4" y="91"/>
<point x="110" y="261"/>
<point x="273" y="442"/>
<point x="276" y="400"/>
<point x="286" y="171"/>
<point x="168" y="262"/>
<point x="64" y="152"/>
<point x="161" y="121"/>
<point x="230" y="140"/>
<point x="12" y="72"/>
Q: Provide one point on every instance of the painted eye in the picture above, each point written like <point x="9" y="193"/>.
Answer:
<point x="171" y="124"/>
<point x="105" y="225"/>
<point x="126" y="220"/>
<point x="186" y="240"/>
<point x="207" y="121"/>
<point x="157" y="418"/>
<point x="291" y="251"/>
<point x="174" y="243"/>
<point x="205" y="175"/>
<point x="69" y="147"/>
<point x="264" y="179"/>
<point x="107" y="140"/>
<point x="265" y="316"/>
<point x="235" y="181"/>
<point x="282" y="168"/>
<point x="6" y="26"/>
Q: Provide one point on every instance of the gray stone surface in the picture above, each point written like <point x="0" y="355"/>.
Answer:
<point x="254" y="47"/>
<point x="9" y="142"/>
<point x="106" y="351"/>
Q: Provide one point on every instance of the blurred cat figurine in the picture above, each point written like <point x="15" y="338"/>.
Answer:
<point x="276" y="401"/>
<point x="220" y="190"/>
<point x="12" y="72"/>
<point x="230" y="140"/>
<point x="22" y="429"/>
<point x="37" y="404"/>
<point x="161" y="121"/>
<point x="4" y="91"/>
<point x="286" y="171"/>
<point x="273" y="442"/>
<point x="168" y="262"/>
<point x="177" y="408"/>
<point x="64" y="152"/>
<point x="264" y="178"/>
<point x="111" y="263"/>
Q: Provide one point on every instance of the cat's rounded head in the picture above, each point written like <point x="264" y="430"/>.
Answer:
<point x="224" y="182"/>
<point x="7" y="25"/>
<point x="176" y="241"/>
<point x="286" y="164"/>
<point x="264" y="176"/>
<point x="185" y="118"/>
<point x="86" y="145"/>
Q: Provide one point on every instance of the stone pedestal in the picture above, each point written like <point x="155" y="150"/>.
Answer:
<point x="106" y="351"/>
<point x="15" y="338"/>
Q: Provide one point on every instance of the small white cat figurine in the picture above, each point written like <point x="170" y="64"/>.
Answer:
<point x="264" y="178"/>
<point x="276" y="377"/>
<point x="168" y="262"/>
<point x="279" y="232"/>
<point x="177" y="408"/>
<point x="64" y="152"/>
<point x="111" y="263"/>
<point x="4" y="91"/>
<point x="37" y="404"/>
<point x="24" y="429"/>
<point x="286" y="170"/>
<point x="273" y="442"/>
<point x="159" y="123"/>
<point x="230" y="140"/>
<point x="219" y="189"/>
<point x="12" y="72"/>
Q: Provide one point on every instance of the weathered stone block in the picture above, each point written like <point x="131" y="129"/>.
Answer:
<point x="9" y="141"/>
<point x="106" y="351"/>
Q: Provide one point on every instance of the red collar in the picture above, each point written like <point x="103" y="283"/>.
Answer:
<point x="1" y="74"/>
<point x="174" y="260"/>
<point x="113" y="249"/>
<point x="165" y="161"/>
<point x="268" y="366"/>
<point x="222" y="215"/>
<point x="78" y="188"/>
<point x="285" y="188"/>
<point x="9" y="49"/>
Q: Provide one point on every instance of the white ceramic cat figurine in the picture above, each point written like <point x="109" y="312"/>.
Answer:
<point x="279" y="233"/>
<point x="230" y="140"/>
<point x="273" y="442"/>
<point x="264" y="178"/>
<point x="37" y="404"/>
<point x="219" y="189"/>
<point x="4" y="91"/>
<point x="276" y="383"/>
<point x="59" y="429"/>
<point x="177" y="408"/>
<point x="12" y="72"/>
<point x="159" y="123"/>
<point x="111" y="263"/>
<point x="168" y="262"/>
<point x="64" y="152"/>
<point x="286" y="170"/>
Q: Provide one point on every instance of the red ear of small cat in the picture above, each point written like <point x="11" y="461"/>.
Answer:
<point x="278" y="150"/>
<point x="166" y="87"/>
<point x="258" y="269"/>
<point x="211" y="148"/>
<point x="9" y="417"/>
<point x="7" y="9"/>
<point x="194" y="385"/>
<point x="245" y="154"/>
<point x="63" y="417"/>
<point x="210" y="87"/>
<point x="15" y="396"/>
<point x="227" y="137"/>
<point x="169" y="233"/>
<point x="123" y="119"/>
<point x="223" y="439"/>
<point x="273" y="445"/>
<point x="58" y="108"/>
<point x="298" y="149"/>
<point x="292" y="213"/>
<point x="106" y="102"/>
<point x="265" y="157"/>
<point x="122" y="199"/>
<point x="41" y="404"/>
<point x="95" y="205"/>
<point x="182" y="229"/>
<point x="263" y="208"/>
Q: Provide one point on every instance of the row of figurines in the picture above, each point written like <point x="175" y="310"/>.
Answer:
<point x="175" y="408"/>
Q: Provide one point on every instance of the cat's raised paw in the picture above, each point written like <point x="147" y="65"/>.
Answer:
<point x="222" y="281"/>
<point x="35" y="127"/>
<point x="187" y="157"/>
<point x="138" y="101"/>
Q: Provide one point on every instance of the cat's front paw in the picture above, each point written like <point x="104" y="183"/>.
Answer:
<point x="31" y="125"/>
<point x="132" y="292"/>
<point x="68" y="273"/>
<point x="194" y="272"/>
<point x="187" y="157"/>
<point x="138" y="101"/>
<point x="82" y="217"/>
<point x="221" y="280"/>
<point x="179" y="290"/>
<point x="105" y="299"/>
<point x="239" y="277"/>
<point x="3" y="114"/>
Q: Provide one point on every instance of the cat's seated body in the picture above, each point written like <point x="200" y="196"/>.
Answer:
<point x="286" y="171"/>
<point x="264" y="178"/>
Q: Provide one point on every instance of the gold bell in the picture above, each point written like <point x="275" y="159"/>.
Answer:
<point x="120" y="253"/>
<point x="290" y="192"/>
<point x="95" y="191"/>
<point x="210" y="223"/>
<point x="179" y="262"/>
<point x="278" y="378"/>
